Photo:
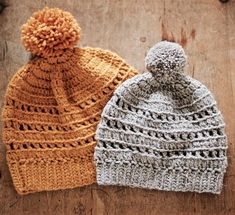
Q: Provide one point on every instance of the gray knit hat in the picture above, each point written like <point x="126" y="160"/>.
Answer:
<point x="162" y="130"/>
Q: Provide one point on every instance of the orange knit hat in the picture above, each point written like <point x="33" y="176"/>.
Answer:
<point x="53" y="105"/>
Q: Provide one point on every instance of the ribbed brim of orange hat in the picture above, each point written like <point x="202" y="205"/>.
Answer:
<point x="44" y="170"/>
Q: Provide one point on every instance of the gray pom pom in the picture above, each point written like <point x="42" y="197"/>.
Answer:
<point x="167" y="57"/>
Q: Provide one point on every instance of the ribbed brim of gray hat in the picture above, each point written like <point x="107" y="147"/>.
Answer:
<point x="181" y="174"/>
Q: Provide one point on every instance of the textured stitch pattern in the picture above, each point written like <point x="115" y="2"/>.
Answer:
<point x="162" y="130"/>
<point x="53" y="105"/>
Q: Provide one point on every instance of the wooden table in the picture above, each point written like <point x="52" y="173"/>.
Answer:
<point x="205" y="28"/>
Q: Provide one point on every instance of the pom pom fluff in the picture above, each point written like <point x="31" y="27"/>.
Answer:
<point x="49" y="31"/>
<point x="165" y="56"/>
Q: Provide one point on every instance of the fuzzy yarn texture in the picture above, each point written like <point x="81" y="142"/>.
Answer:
<point x="53" y="105"/>
<point x="162" y="130"/>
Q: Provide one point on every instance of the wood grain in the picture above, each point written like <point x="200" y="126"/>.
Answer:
<point x="206" y="29"/>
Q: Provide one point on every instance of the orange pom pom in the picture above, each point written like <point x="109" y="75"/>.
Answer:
<point x="49" y="31"/>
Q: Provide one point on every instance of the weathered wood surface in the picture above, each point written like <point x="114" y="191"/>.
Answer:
<point x="206" y="29"/>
